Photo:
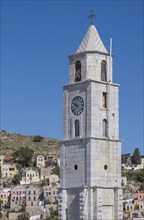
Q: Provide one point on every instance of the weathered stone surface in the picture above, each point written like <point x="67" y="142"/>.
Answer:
<point x="91" y="162"/>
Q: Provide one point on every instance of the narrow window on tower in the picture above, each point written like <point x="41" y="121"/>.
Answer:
<point x="78" y="71"/>
<point x="105" y="128"/>
<point x="103" y="71"/>
<point x="77" y="128"/>
<point x="104" y="100"/>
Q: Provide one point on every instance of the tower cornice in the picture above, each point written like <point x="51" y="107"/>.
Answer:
<point x="80" y="139"/>
<point x="89" y="81"/>
<point x="72" y="56"/>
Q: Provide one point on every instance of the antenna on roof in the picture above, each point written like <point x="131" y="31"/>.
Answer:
<point x="91" y="16"/>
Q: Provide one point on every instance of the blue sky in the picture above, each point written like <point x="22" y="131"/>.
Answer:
<point x="37" y="36"/>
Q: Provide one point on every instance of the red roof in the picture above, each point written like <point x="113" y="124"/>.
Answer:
<point x="7" y="158"/>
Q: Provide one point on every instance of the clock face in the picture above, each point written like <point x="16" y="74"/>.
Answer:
<point x="77" y="105"/>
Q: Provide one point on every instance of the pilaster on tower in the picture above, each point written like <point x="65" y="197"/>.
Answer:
<point x="91" y="150"/>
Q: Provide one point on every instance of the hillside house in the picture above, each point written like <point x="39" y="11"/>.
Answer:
<point x="18" y="197"/>
<point x="5" y="196"/>
<point x="30" y="176"/>
<point x="45" y="173"/>
<point x="40" y="161"/>
<point x="54" y="179"/>
<point x="50" y="193"/>
<point x="8" y="170"/>
<point x="33" y="198"/>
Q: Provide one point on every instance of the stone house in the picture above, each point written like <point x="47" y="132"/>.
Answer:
<point x="129" y="206"/>
<point x="7" y="167"/>
<point x="52" y="160"/>
<point x="8" y="170"/>
<point x="30" y="176"/>
<point x="136" y="207"/>
<point x="141" y="206"/>
<point x="54" y="179"/>
<point x="18" y="197"/>
<point x="136" y="214"/>
<point x="33" y="195"/>
<point x="33" y="198"/>
<point x="44" y="173"/>
<point x="5" y="196"/>
<point x="51" y="193"/>
<point x="40" y="161"/>
<point x="141" y="195"/>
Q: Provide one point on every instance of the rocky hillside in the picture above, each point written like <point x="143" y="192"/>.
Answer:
<point x="9" y="142"/>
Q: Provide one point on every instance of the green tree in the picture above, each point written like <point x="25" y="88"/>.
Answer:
<point x="23" y="208"/>
<point x="136" y="157"/>
<point x="136" y="206"/>
<point x="124" y="158"/>
<point x="23" y="216"/>
<point x="142" y="186"/>
<point x="47" y="201"/>
<point x="1" y="202"/>
<point x="19" y="168"/>
<point x="1" y="215"/>
<point x="0" y="174"/>
<point x="56" y="171"/>
<point x="16" y="179"/>
<point x="23" y="155"/>
<point x="53" y="214"/>
<point x="135" y="175"/>
<point x="38" y="138"/>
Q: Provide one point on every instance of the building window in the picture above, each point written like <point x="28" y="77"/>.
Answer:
<point x="77" y="128"/>
<point x="103" y="71"/>
<point x="105" y="128"/>
<point x="105" y="167"/>
<point x="75" y="166"/>
<point x="104" y="100"/>
<point x="78" y="71"/>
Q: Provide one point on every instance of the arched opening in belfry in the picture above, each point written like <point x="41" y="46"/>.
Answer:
<point x="78" y="71"/>
<point x="103" y="71"/>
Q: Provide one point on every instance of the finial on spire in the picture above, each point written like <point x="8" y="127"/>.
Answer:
<point x="91" y="16"/>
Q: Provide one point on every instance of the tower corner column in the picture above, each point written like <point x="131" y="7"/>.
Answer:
<point x="118" y="195"/>
<point x="62" y="204"/>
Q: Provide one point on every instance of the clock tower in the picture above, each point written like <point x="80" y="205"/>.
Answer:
<point x="90" y="154"/>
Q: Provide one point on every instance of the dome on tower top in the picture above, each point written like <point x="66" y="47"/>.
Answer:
<point x="92" y="41"/>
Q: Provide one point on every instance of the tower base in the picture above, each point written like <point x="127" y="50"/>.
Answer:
<point x="90" y="203"/>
